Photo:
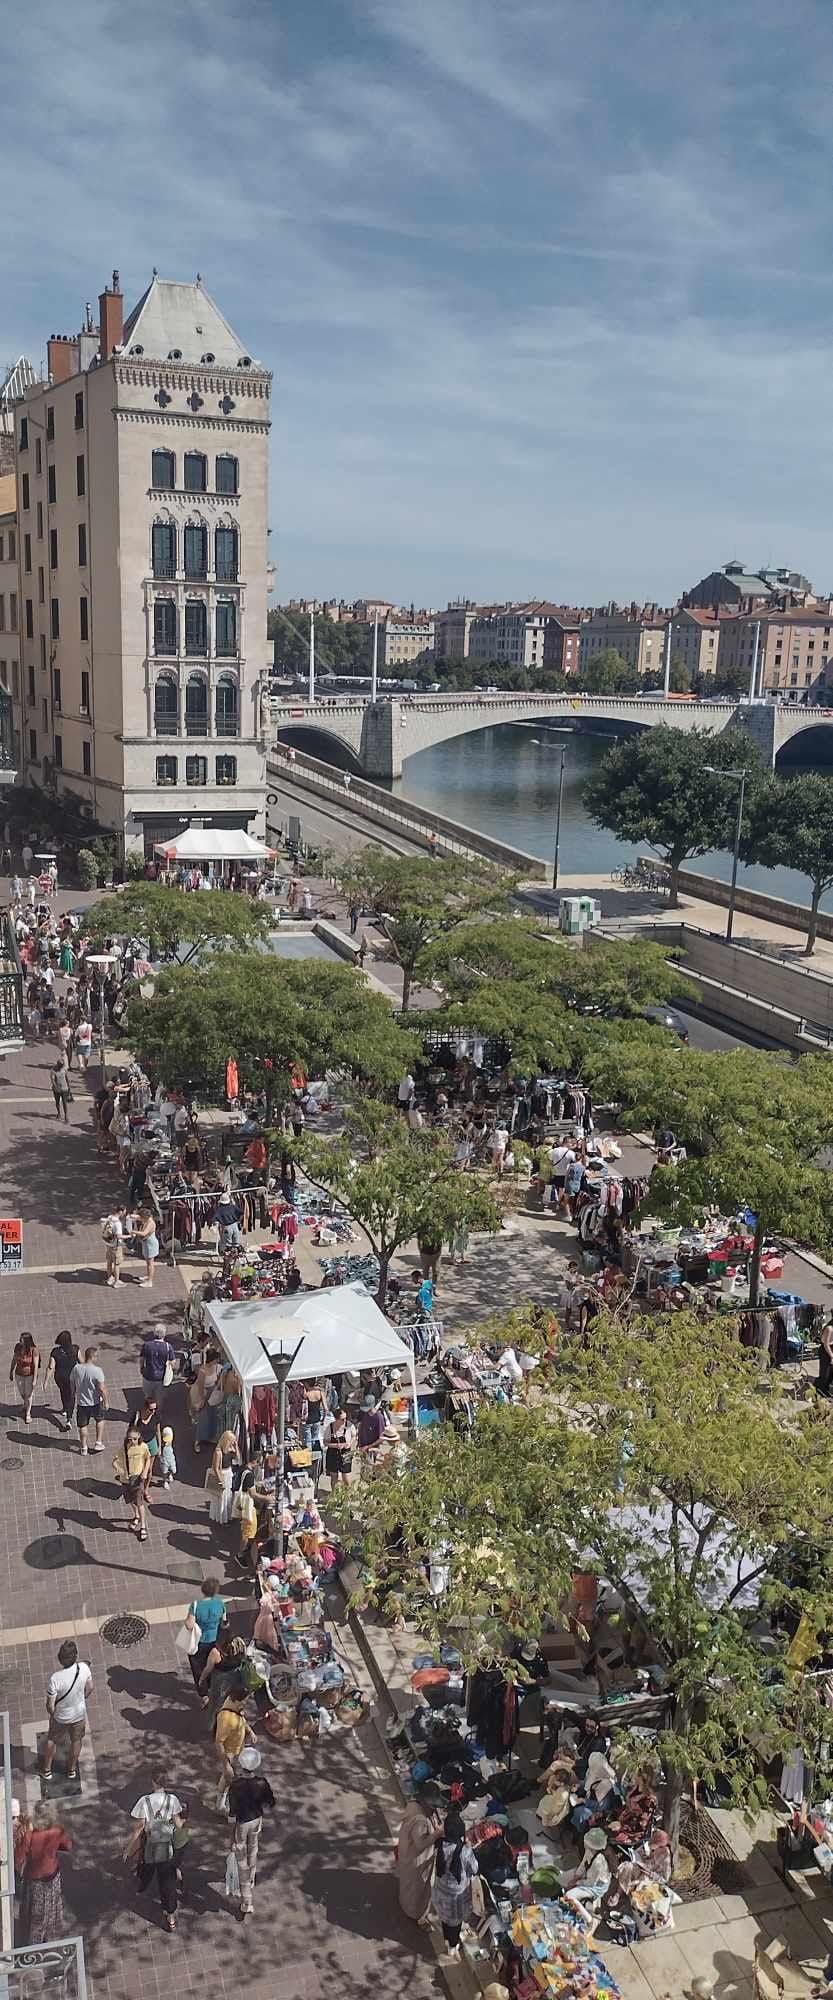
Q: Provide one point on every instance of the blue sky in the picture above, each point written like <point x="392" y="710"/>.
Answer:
<point x="547" y="288"/>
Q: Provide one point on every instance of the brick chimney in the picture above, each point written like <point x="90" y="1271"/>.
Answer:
<point x="62" y="357"/>
<point x="110" y="318"/>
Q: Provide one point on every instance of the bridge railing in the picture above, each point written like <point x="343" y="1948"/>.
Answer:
<point x="429" y="829"/>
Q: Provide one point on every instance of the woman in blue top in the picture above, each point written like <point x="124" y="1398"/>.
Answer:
<point x="206" y="1616"/>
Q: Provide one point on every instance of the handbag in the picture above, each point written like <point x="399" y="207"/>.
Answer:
<point x="232" y="1875"/>
<point x="168" y="1375"/>
<point x="187" y="1640"/>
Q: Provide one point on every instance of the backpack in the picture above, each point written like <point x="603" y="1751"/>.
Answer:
<point x="159" y="1840"/>
<point x="108" y="1233"/>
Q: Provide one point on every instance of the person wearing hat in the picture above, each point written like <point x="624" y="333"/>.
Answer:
<point x="590" y="1881"/>
<point x="371" y="1427"/>
<point x="249" y="1796"/>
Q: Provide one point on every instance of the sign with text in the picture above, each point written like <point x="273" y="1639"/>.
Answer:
<point x="11" y="1244"/>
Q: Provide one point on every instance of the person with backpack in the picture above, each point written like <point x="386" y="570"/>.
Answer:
<point x="159" y="1814"/>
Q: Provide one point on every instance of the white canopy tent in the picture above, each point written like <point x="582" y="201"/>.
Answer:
<point x="212" y="843"/>
<point x="341" y="1328"/>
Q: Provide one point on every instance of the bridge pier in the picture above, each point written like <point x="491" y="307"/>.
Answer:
<point x="761" y="721"/>
<point x="381" y="744"/>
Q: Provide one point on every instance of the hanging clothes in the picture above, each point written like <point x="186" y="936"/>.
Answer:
<point x="232" y="1081"/>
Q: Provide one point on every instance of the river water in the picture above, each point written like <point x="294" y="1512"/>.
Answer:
<point x="504" y="782"/>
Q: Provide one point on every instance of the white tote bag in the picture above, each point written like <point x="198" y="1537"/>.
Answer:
<point x="187" y="1640"/>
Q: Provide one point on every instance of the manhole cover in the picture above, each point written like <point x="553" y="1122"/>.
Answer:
<point x="54" y="1552"/>
<point x="125" y="1630"/>
<point x="10" y="1464"/>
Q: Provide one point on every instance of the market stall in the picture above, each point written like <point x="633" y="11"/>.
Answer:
<point x="339" y="1330"/>
<point x="209" y="843"/>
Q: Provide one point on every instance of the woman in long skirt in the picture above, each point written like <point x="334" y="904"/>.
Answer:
<point x="41" y="1902"/>
<point x="219" y="1480"/>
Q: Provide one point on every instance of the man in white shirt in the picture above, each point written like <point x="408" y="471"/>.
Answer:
<point x="405" y="1092"/>
<point x="561" y="1158"/>
<point x="112" y="1230"/>
<point x="66" y="1706"/>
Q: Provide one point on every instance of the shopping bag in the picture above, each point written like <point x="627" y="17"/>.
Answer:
<point x="232" y="1875"/>
<point x="187" y="1640"/>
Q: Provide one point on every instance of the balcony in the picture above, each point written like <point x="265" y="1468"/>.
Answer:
<point x="196" y="572"/>
<point x="196" y="725"/>
<point x="164" y="566"/>
<point x="227" y="569"/>
<point x="227" y="725"/>
<point x="166" y="725"/>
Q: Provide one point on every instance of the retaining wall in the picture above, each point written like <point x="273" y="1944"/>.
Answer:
<point x="401" y="815"/>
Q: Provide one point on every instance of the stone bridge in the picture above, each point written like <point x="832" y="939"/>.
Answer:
<point x="375" y="738"/>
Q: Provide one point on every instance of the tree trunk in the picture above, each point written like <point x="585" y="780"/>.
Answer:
<point x="382" y="1287"/>
<point x="813" y="926"/>
<point x="674" y="863"/>
<point x="755" y="1262"/>
<point x="671" y="1812"/>
<point x="406" y="988"/>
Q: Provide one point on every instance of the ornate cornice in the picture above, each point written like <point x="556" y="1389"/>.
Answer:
<point x="255" y="427"/>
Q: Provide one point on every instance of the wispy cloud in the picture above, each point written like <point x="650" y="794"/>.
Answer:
<point x="546" y="289"/>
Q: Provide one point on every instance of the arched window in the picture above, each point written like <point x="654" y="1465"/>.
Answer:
<point x="225" y="474"/>
<point x="196" y="550"/>
<point x="195" y="472"/>
<point x="163" y="548"/>
<point x="196" y="706"/>
<point x="163" y="471"/>
<point x="164" y="626"/>
<point x="225" y="555"/>
<point x="227" y="718"/>
<point x="166" y="706"/>
<point x="226" y="621"/>
<point x="196" y="628"/>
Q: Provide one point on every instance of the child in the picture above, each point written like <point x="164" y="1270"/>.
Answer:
<point x="168" y="1461"/>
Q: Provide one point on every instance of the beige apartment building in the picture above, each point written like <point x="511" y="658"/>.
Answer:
<point x="792" y="651"/>
<point x="695" y="639"/>
<point x="141" y="470"/>
<point x="639" y="638"/>
<point x="403" y="641"/>
<point x="512" y="633"/>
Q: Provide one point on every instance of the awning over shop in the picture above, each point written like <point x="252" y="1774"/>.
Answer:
<point x="209" y="843"/>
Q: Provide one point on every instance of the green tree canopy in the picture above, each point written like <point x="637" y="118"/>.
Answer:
<point x="608" y="673"/>
<point x="398" y="1184"/>
<point x="175" y="922"/>
<point x="615" y="976"/>
<point x="656" y="787"/>
<point x="791" y="826"/>
<point x="270" y="1015"/>
<point x="418" y="901"/>
<point x="649" y="1460"/>
<point x="754" y="1126"/>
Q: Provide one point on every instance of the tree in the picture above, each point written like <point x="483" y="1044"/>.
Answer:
<point x="419" y="901"/>
<point x="657" y="787"/>
<point x="271" y="1015"/>
<point x="608" y="673"/>
<point x="398" y="1184"/>
<point x="754" y="1126"/>
<point x="792" y="827"/>
<point x="175" y="923"/>
<point x="650" y="1461"/>
<point x="679" y="676"/>
<point x="609" y="976"/>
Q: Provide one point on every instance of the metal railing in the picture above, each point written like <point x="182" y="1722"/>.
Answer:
<point x="7" y="1841"/>
<point x="11" y="984"/>
<point x="36" y="1971"/>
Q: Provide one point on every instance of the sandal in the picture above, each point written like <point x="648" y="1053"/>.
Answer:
<point x="143" y="1534"/>
<point x="170" y="1923"/>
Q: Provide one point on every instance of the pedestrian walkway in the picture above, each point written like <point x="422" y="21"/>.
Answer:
<point x="326" y="1915"/>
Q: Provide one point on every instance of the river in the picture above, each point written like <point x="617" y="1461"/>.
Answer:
<point x="504" y="782"/>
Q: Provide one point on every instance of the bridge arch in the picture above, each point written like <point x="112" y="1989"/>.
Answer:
<point x="808" y="743"/>
<point x="324" y="744"/>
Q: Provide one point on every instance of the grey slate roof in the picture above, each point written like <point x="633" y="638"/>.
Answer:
<point x="171" y="317"/>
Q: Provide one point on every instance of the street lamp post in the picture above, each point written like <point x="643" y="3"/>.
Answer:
<point x="280" y="1365"/>
<point x="740" y="779"/>
<point x="562" y="752"/>
<point x="101" y="959"/>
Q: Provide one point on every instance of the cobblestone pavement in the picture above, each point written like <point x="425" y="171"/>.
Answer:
<point x="326" y="1914"/>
